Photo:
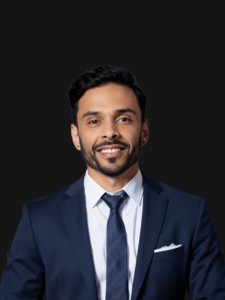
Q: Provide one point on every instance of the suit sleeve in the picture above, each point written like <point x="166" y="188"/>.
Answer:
<point x="23" y="277"/>
<point x="207" y="267"/>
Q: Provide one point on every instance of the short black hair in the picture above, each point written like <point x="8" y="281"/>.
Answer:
<point x="99" y="76"/>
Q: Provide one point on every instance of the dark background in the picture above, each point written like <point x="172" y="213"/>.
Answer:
<point x="176" y="55"/>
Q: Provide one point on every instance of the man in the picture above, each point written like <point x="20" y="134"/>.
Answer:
<point x="115" y="234"/>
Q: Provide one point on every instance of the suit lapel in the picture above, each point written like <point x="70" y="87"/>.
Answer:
<point x="75" y="218"/>
<point x="154" y="209"/>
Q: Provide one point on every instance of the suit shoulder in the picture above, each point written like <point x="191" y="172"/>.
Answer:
<point x="54" y="198"/>
<point x="168" y="191"/>
<point x="59" y="195"/>
<point x="178" y="195"/>
<point x="50" y="199"/>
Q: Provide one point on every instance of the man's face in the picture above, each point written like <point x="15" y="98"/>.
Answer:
<point x="110" y="131"/>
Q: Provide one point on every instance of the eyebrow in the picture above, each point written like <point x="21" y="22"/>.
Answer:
<point x="117" y="111"/>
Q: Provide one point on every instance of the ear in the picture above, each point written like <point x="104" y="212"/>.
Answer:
<point x="75" y="136"/>
<point x="144" y="132"/>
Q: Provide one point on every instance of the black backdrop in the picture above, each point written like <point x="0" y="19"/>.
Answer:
<point x="179" y="64"/>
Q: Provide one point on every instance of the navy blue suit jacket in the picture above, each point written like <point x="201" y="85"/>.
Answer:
<point x="51" y="249"/>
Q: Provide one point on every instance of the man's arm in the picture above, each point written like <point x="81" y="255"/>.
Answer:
<point x="207" y="268"/>
<point x="23" y="277"/>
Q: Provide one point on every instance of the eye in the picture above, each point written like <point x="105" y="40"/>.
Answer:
<point x="124" y="119"/>
<point x="93" y="122"/>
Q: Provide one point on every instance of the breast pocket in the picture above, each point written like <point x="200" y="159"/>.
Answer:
<point x="169" y="254"/>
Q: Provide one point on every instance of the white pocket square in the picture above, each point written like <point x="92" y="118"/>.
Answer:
<point x="166" y="248"/>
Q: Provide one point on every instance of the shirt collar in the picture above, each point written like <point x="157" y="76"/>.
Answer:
<point x="94" y="191"/>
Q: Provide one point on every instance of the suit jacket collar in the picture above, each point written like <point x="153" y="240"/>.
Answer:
<point x="75" y="187"/>
<point x="74" y="214"/>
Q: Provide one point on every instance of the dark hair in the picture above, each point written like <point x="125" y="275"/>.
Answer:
<point x="99" y="76"/>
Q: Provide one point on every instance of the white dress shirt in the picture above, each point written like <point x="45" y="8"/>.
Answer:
<point x="97" y="216"/>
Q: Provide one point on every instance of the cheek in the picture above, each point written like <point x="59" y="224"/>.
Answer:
<point x="133" y="136"/>
<point x="88" y="140"/>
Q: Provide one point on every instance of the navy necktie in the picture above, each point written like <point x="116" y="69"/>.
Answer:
<point x="117" y="264"/>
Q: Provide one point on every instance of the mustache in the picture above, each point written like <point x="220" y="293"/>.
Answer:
<point x="109" y="143"/>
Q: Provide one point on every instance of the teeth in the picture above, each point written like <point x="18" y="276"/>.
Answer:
<point x="110" y="150"/>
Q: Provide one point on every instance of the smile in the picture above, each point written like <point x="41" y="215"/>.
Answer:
<point x="110" y="150"/>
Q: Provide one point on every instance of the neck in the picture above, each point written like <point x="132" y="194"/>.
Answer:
<point x="113" y="184"/>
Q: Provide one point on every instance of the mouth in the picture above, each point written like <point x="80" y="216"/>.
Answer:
<point x="111" y="151"/>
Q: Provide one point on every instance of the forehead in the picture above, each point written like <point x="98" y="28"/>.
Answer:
<point x="107" y="98"/>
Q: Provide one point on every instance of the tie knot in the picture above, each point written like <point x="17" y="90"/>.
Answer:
<point x="114" y="202"/>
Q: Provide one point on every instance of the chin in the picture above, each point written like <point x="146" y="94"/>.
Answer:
<point x="115" y="170"/>
<point x="111" y="173"/>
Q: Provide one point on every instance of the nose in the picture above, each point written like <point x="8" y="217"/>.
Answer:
<point x="110" y="131"/>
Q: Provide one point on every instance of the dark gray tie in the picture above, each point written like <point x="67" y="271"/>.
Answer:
<point x="117" y="264"/>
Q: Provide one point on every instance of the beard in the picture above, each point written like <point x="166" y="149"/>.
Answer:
<point x="113" y="169"/>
